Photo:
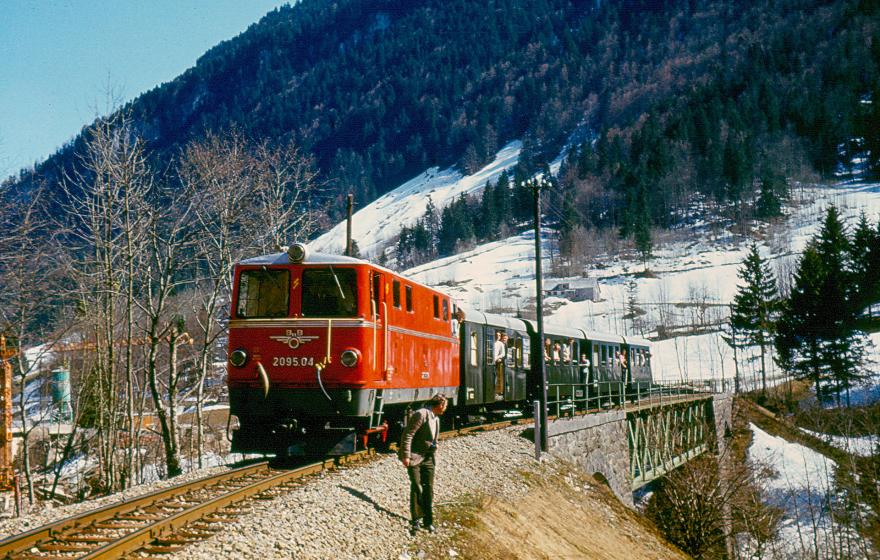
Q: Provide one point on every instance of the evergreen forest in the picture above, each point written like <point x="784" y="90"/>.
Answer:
<point x="656" y="104"/>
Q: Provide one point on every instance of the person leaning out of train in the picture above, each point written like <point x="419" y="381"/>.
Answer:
<point x="457" y="320"/>
<point x="566" y="351"/>
<point x="548" y="347"/>
<point x="499" y="353"/>
<point x="418" y="446"/>
<point x="556" y="352"/>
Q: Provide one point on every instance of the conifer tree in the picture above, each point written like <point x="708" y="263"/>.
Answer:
<point x="769" y="204"/>
<point x="756" y="305"/>
<point x="486" y="226"/>
<point x="817" y="331"/>
<point x="864" y="255"/>
<point x="800" y="327"/>
<point x="502" y="199"/>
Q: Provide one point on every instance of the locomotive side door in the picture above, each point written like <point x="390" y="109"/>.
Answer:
<point x="379" y="311"/>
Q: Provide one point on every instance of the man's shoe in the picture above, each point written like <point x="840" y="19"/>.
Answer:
<point x="431" y="529"/>
<point x="413" y="528"/>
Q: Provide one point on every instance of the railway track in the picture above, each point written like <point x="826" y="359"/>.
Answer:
<point x="164" y="521"/>
<point x="167" y="520"/>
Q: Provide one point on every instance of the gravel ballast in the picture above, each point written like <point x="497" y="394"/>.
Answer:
<point x="363" y="512"/>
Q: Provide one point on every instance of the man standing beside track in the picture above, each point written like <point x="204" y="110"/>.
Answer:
<point x="418" y="446"/>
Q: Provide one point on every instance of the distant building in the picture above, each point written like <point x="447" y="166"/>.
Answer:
<point x="580" y="290"/>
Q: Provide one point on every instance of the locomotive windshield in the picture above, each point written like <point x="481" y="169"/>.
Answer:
<point x="263" y="293"/>
<point x="329" y="292"/>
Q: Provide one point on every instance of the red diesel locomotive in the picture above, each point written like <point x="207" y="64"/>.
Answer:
<point x="332" y="350"/>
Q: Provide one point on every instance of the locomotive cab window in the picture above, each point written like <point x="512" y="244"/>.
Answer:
<point x="409" y="306"/>
<point x="445" y="310"/>
<point x="263" y="293"/>
<point x="436" y="307"/>
<point x="329" y="292"/>
<point x="375" y="293"/>
<point x="395" y="293"/>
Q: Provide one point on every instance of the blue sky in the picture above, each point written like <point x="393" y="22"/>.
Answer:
<point x="58" y="58"/>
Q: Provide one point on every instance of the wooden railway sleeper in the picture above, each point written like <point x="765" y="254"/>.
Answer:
<point x="93" y="539"/>
<point x="59" y="547"/>
<point x="161" y="549"/>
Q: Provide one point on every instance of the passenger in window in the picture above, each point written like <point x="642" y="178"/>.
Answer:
<point x="621" y="359"/>
<point x="548" y="345"/>
<point x="499" y="352"/>
<point x="556" y="352"/>
<point x="457" y="320"/>
<point x="566" y="351"/>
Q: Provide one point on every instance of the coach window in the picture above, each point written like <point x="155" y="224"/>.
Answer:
<point x="445" y="310"/>
<point x="519" y="351"/>
<point x="263" y="293"/>
<point x="329" y="292"/>
<point x="409" y="306"/>
<point x="474" y="350"/>
<point x="395" y="293"/>
<point x="436" y="307"/>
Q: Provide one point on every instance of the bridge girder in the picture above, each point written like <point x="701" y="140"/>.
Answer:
<point x="665" y="437"/>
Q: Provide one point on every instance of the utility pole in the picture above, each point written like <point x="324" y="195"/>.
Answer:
<point x="348" y="247"/>
<point x="537" y="185"/>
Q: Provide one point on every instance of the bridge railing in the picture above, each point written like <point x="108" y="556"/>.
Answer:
<point x="566" y="398"/>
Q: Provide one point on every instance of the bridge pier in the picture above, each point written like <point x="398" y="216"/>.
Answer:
<point x="597" y="443"/>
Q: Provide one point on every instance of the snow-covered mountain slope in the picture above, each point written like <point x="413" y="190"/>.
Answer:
<point x="380" y="221"/>
<point x="693" y="280"/>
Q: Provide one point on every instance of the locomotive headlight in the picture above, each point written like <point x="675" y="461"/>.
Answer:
<point x="350" y="357"/>
<point x="297" y="253"/>
<point x="238" y="357"/>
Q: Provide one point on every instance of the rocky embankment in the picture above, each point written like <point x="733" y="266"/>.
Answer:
<point x="493" y="500"/>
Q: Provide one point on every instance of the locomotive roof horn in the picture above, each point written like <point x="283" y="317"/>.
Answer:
<point x="297" y="253"/>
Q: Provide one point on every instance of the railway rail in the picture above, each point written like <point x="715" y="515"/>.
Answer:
<point x="167" y="520"/>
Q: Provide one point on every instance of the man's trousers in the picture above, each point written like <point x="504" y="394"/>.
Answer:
<point x="421" y="491"/>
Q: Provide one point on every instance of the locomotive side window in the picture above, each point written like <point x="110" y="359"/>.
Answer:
<point x="329" y="292"/>
<point x="445" y="309"/>
<point x="395" y="293"/>
<point x="409" y="306"/>
<point x="263" y="293"/>
<point x="375" y="292"/>
<point x="436" y="307"/>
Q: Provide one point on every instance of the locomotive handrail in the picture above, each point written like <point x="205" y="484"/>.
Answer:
<point x="385" y="335"/>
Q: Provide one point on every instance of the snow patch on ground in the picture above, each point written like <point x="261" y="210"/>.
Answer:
<point x="863" y="446"/>
<point x="804" y="487"/>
